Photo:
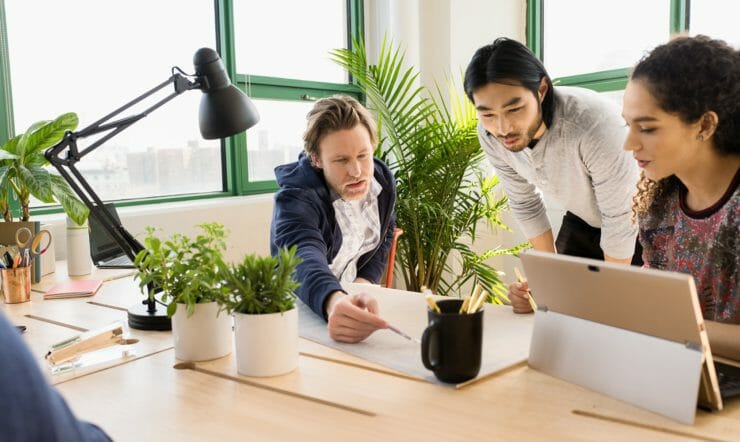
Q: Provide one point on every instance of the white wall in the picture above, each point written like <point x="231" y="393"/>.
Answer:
<point x="246" y="218"/>
<point x="440" y="36"/>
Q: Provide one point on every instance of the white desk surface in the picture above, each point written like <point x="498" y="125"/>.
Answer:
<point x="331" y="396"/>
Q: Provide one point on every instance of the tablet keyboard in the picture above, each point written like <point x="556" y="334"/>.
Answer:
<point x="728" y="377"/>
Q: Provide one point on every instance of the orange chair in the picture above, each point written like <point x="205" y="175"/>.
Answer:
<point x="392" y="257"/>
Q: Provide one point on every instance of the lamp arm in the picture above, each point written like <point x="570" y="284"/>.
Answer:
<point x="65" y="154"/>
<point x="181" y="83"/>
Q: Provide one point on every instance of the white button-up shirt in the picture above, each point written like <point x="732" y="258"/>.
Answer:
<point x="359" y="222"/>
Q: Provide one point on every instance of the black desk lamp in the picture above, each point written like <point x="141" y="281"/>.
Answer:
<point x="224" y="111"/>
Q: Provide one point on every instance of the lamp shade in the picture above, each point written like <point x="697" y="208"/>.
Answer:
<point x="224" y="109"/>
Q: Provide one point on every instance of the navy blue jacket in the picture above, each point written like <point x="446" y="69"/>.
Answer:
<point x="304" y="215"/>
<point x="30" y="409"/>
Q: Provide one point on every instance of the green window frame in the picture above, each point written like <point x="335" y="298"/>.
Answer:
<point x="234" y="149"/>
<point x="603" y="81"/>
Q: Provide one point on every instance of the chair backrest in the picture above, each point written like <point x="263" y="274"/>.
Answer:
<point x="392" y="257"/>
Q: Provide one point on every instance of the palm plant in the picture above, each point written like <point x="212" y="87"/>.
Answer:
<point x="23" y="172"/>
<point x="433" y="150"/>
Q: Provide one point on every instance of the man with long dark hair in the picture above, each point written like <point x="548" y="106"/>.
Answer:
<point x="565" y="143"/>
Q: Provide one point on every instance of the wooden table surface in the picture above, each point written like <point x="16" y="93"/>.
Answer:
<point x="151" y="396"/>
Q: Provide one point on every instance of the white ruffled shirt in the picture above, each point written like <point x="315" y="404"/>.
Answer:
<point x="359" y="222"/>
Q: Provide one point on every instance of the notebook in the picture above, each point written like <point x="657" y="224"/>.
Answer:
<point x="104" y="250"/>
<point x="73" y="289"/>
<point x="632" y="333"/>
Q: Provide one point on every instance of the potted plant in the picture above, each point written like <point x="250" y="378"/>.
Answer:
<point x="260" y="293"/>
<point x="23" y="173"/>
<point x="434" y="153"/>
<point x="187" y="271"/>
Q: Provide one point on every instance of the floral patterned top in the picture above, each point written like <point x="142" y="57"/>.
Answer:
<point x="701" y="243"/>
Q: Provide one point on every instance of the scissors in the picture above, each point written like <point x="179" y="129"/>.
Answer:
<point x="30" y="244"/>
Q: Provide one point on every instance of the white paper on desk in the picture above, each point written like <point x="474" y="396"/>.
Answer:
<point x="506" y="335"/>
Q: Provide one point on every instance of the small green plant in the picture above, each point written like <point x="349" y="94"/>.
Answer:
<point x="23" y="173"/>
<point x="186" y="269"/>
<point x="261" y="285"/>
<point x="443" y="194"/>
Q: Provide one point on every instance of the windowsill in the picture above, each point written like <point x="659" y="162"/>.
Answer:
<point x="146" y="210"/>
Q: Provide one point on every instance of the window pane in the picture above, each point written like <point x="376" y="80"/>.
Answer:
<point x="583" y="36"/>
<point x="290" y="38"/>
<point x="717" y="19"/>
<point x="95" y="57"/>
<point x="278" y="139"/>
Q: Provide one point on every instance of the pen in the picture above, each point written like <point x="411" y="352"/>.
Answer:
<point x="521" y="279"/>
<point x="397" y="331"/>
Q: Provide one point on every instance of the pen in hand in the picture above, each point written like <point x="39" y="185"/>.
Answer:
<point x="520" y="278"/>
<point x="397" y="331"/>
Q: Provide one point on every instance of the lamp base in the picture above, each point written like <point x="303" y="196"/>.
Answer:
<point x="140" y="318"/>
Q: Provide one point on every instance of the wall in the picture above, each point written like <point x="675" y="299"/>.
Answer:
<point x="246" y="218"/>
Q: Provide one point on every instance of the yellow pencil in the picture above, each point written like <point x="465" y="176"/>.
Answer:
<point x="474" y="298"/>
<point x="432" y="305"/>
<point x="464" y="306"/>
<point x="529" y="292"/>
<point x="482" y="296"/>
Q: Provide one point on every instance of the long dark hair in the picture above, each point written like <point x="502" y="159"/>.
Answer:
<point x="508" y="61"/>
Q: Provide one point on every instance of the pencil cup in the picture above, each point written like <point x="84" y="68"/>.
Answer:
<point x="452" y="343"/>
<point x="16" y="284"/>
<point x="78" y="249"/>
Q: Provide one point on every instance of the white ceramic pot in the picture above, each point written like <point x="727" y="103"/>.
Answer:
<point x="204" y="335"/>
<point x="266" y="345"/>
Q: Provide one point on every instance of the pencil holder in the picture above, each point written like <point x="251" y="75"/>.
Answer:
<point x="78" y="249"/>
<point x="16" y="284"/>
<point x="452" y="343"/>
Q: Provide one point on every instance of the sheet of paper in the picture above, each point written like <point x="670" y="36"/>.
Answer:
<point x="506" y="335"/>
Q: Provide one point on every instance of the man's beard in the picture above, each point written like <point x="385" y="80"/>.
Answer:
<point x="526" y="139"/>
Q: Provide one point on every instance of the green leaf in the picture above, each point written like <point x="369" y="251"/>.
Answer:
<point x="42" y="136"/>
<point x="186" y="269"/>
<point x="38" y="182"/>
<point x="63" y="194"/>
<point x="261" y="285"/>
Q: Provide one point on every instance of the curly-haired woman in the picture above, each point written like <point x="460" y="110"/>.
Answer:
<point x="681" y="106"/>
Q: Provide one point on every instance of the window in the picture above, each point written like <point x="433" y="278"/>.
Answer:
<point x="583" y="36"/>
<point x="287" y="73"/>
<point x="92" y="57"/>
<point x="290" y="39"/>
<point x="717" y="19"/>
<point x="78" y="64"/>
<point x="594" y="44"/>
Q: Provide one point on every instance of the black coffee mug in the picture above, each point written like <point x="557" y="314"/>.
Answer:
<point x="452" y="343"/>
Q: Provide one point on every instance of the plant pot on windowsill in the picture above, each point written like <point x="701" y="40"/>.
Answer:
<point x="187" y="272"/>
<point x="23" y="175"/>
<point x="260" y="292"/>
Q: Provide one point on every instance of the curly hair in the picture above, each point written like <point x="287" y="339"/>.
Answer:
<point x="331" y="114"/>
<point x="688" y="77"/>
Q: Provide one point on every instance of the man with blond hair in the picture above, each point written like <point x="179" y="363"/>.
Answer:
<point x="336" y="205"/>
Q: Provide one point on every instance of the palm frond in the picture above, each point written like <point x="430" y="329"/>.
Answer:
<point x="433" y="150"/>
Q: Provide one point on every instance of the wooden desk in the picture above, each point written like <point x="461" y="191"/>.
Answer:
<point x="335" y="396"/>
